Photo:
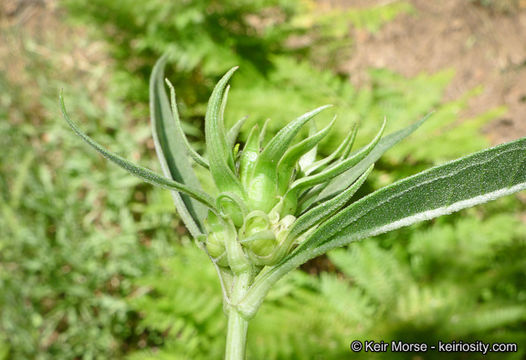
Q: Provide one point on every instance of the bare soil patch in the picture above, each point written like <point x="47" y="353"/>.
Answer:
<point x="484" y="47"/>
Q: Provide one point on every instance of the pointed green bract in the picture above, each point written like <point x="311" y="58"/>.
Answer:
<point x="288" y="162"/>
<point x="338" y="168"/>
<point x="262" y="134"/>
<point x="234" y="131"/>
<point x="342" y="181"/>
<point x="308" y="198"/>
<point x="348" y="148"/>
<point x="341" y="149"/>
<point x="179" y="129"/>
<point x="310" y="157"/>
<point x="249" y="156"/>
<point x="263" y="190"/>
<point x="291" y="197"/>
<point x="279" y="144"/>
<point x="220" y="154"/>
<point x="328" y="208"/>
<point x="224" y="101"/>
<point x="171" y="151"/>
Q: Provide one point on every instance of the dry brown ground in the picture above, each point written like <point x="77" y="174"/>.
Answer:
<point x="33" y="34"/>
<point x="484" y="47"/>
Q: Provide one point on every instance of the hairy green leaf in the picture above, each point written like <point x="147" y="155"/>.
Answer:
<point x="234" y="131"/>
<point x="249" y="156"/>
<point x="337" y="168"/>
<point x="179" y="129"/>
<point x="345" y="145"/>
<point x="288" y="162"/>
<point x="310" y="157"/>
<point x="279" y="144"/>
<point x="172" y="150"/>
<point x="263" y="133"/>
<point x="441" y="190"/>
<point x="468" y="181"/>
<point x="219" y="152"/>
<point x="342" y="181"/>
<point x="328" y="208"/>
<point x="139" y="171"/>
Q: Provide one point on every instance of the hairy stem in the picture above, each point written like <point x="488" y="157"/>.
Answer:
<point x="237" y="325"/>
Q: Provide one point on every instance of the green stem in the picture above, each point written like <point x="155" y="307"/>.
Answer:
<point x="237" y="325"/>
<point x="236" y="337"/>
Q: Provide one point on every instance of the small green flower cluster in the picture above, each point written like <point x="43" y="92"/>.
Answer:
<point x="269" y="193"/>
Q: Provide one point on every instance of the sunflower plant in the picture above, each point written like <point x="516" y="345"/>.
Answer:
<point x="275" y="205"/>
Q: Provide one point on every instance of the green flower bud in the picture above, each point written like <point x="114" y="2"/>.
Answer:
<point x="256" y="221"/>
<point x="261" y="243"/>
<point x="232" y="207"/>
<point x="256" y="234"/>
<point x="215" y="244"/>
<point x="215" y="241"/>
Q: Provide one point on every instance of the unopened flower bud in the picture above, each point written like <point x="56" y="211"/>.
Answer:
<point x="262" y="243"/>
<point x="215" y="244"/>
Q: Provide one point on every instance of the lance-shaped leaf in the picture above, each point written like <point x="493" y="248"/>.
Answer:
<point x="263" y="133"/>
<point x="231" y="136"/>
<point x="288" y="162"/>
<point x="298" y="199"/>
<point x="328" y="208"/>
<point x="279" y="144"/>
<point x="309" y="157"/>
<point x="219" y="152"/>
<point x="234" y="131"/>
<point x="337" y="168"/>
<point x="308" y="198"/>
<point x="472" y="180"/>
<point x="171" y="151"/>
<point x="224" y="101"/>
<point x="179" y="129"/>
<point x="343" y="181"/>
<point x="347" y="143"/>
<point x="139" y="171"/>
<point x="347" y="150"/>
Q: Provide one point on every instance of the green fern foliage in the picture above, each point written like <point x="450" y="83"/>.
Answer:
<point x="449" y="284"/>
<point x="181" y="313"/>
<point x="203" y="38"/>
<point x="65" y="264"/>
<point x="181" y="308"/>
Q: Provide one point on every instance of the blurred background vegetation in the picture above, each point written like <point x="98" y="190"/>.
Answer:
<point x="95" y="264"/>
